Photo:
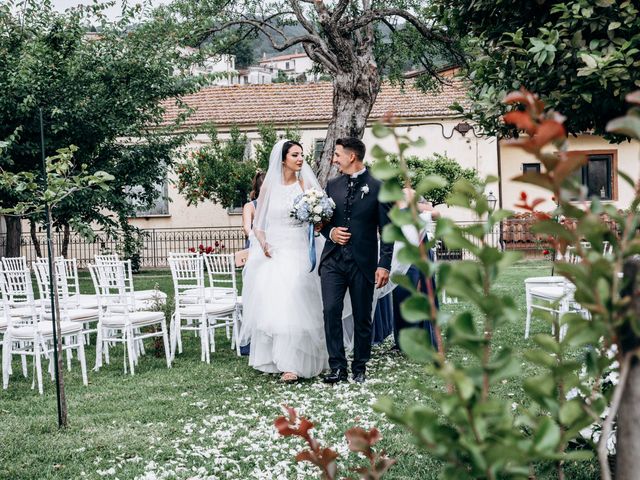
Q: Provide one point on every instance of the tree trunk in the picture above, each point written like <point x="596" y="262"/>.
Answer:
<point x="34" y="238"/>
<point x="14" y="232"/>
<point x="354" y="93"/>
<point x="628" y="422"/>
<point x="65" y="240"/>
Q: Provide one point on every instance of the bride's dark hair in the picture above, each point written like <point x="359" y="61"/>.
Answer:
<point x="286" y="146"/>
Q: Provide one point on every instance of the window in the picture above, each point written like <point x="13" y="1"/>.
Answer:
<point x="531" y="167"/>
<point x="286" y="66"/>
<point x="160" y="206"/>
<point x="242" y="197"/>
<point x="318" y="147"/>
<point x="598" y="175"/>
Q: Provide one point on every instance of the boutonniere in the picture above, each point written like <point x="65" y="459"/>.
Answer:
<point x="364" y="190"/>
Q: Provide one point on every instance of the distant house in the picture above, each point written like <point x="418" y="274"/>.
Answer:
<point x="256" y="75"/>
<point x="294" y="66"/>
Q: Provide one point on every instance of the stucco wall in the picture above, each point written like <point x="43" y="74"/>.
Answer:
<point x="513" y="158"/>
<point x="469" y="150"/>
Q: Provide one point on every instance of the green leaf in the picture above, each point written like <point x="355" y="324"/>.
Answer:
<point x="429" y="183"/>
<point x="391" y="191"/>
<point x="547" y="342"/>
<point x="570" y="412"/>
<point x="547" y="436"/>
<point x="380" y="131"/>
<point x="629" y="126"/>
<point x="383" y="170"/>
<point x="416" y="343"/>
<point x="415" y="308"/>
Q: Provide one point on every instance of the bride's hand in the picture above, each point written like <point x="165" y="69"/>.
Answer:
<point x="266" y="248"/>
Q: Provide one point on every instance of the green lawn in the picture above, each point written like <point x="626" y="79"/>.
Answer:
<point x="216" y="421"/>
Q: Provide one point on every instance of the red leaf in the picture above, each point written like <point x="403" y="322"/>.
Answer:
<point x="284" y="427"/>
<point x="522" y="121"/>
<point x="537" y="202"/>
<point x="307" y="456"/>
<point x="305" y="426"/>
<point x="516" y="97"/>
<point x="358" y="440"/>
<point x="548" y="131"/>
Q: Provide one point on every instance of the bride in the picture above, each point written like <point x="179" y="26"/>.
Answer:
<point x="282" y="304"/>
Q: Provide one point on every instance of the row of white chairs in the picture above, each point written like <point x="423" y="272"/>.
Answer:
<point x="117" y="313"/>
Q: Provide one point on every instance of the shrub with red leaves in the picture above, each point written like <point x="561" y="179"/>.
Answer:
<point x="360" y="441"/>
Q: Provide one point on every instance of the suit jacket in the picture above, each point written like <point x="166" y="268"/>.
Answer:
<point x="365" y="216"/>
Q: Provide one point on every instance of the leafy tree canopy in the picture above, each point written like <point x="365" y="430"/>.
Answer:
<point x="581" y="57"/>
<point x="97" y="92"/>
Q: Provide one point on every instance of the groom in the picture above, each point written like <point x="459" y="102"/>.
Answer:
<point x="350" y="257"/>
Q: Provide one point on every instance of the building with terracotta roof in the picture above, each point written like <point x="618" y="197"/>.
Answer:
<point x="308" y="108"/>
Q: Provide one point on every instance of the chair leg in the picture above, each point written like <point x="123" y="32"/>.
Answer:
<point x="25" y="371"/>
<point x="128" y="335"/>
<point x="165" y="340"/>
<point x="6" y="361"/>
<point x="82" y="359"/>
<point x="99" y="346"/>
<point x="37" y="360"/>
<point x="527" y="324"/>
<point x="173" y="336"/>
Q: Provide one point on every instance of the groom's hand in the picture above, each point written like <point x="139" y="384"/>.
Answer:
<point x="382" y="277"/>
<point x="340" y="235"/>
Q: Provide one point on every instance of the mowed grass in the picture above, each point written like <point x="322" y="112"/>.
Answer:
<point x="216" y="421"/>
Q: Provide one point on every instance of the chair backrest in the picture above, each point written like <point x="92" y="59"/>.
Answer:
<point x="15" y="263"/>
<point x="41" y="269"/>
<point x="182" y="254"/>
<point x="221" y="269"/>
<point x="67" y="269"/>
<point x="109" y="282"/>
<point x="106" y="258"/>
<point x="17" y="293"/>
<point x="188" y="280"/>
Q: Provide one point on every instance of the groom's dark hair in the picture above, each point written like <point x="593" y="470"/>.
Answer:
<point x="353" y="144"/>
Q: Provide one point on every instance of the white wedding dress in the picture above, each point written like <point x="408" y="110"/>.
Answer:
<point x="282" y="303"/>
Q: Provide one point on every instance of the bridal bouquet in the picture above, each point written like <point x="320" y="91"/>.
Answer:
<point x="312" y="206"/>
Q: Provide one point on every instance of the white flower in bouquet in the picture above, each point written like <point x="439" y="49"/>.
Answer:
<point x="312" y="206"/>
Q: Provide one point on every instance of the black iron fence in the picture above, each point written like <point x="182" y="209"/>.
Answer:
<point x="512" y="234"/>
<point x="156" y="244"/>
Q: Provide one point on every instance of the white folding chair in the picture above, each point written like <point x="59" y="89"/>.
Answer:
<point x="141" y="299"/>
<point x="552" y="294"/>
<point x="192" y="307"/>
<point x="27" y="335"/>
<point x="67" y="269"/>
<point x="69" y="311"/>
<point x="221" y="269"/>
<point x="118" y="322"/>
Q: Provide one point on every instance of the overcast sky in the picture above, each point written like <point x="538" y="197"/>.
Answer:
<point x="112" y="12"/>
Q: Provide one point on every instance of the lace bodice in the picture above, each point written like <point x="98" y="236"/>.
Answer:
<point x="281" y="204"/>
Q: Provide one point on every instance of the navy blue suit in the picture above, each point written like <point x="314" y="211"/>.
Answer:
<point x="353" y="266"/>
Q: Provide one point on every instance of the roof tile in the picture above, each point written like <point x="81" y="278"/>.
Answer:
<point x="287" y="104"/>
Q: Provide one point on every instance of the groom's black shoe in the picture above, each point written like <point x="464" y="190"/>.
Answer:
<point x="359" y="377"/>
<point x="336" y="375"/>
